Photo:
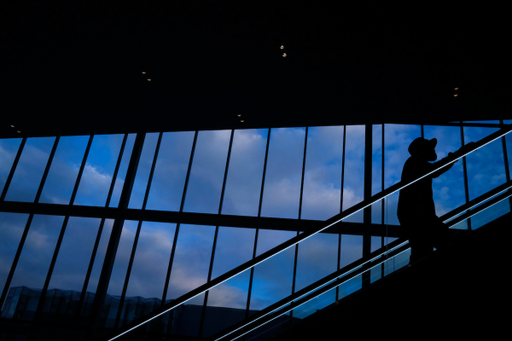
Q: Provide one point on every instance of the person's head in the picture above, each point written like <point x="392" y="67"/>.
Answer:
<point x="423" y="149"/>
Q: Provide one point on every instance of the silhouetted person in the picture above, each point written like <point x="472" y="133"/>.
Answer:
<point x="416" y="210"/>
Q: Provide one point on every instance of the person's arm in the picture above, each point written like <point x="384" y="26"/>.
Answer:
<point x="450" y="155"/>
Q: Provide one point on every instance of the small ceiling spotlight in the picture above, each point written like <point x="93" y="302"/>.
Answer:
<point x="12" y="125"/>
<point x="149" y="79"/>
<point x="284" y="55"/>
<point x="19" y="132"/>
<point x="242" y="121"/>
<point x="456" y="89"/>
<point x="143" y="72"/>
<point x="455" y="95"/>
<point x="282" y="47"/>
<point x="239" y="115"/>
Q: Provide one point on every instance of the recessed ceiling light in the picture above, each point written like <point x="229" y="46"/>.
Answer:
<point x="455" y="95"/>
<point x="242" y="121"/>
<point x="143" y="72"/>
<point x="149" y="79"/>
<point x="12" y="126"/>
<point x="456" y="89"/>
<point x="282" y="47"/>
<point x="19" y="132"/>
<point x="284" y="54"/>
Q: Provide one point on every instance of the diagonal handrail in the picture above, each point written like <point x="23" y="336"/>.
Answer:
<point x="354" y="269"/>
<point x="311" y="291"/>
<point x="303" y="236"/>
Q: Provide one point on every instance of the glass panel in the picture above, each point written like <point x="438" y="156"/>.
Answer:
<point x="151" y="260"/>
<point x="97" y="265"/>
<point x="170" y="171"/>
<point x="397" y="139"/>
<point x="144" y="168"/>
<point x="322" y="179"/>
<point x="353" y="185"/>
<point x="191" y="261"/>
<point x="284" y="173"/>
<point x="491" y="213"/>
<point x="32" y="267"/>
<point x="119" y="271"/>
<point x="99" y="169"/>
<point x="486" y="166"/>
<point x="8" y="150"/>
<point x="207" y="173"/>
<point x="243" y="184"/>
<point x="71" y="266"/>
<point x="123" y="168"/>
<point x="377" y="185"/>
<point x="100" y="255"/>
<point x="315" y="304"/>
<point x="30" y="169"/>
<point x="75" y="253"/>
<point x="234" y="247"/>
<point x="351" y="249"/>
<point x="272" y="278"/>
<point x="61" y="179"/>
<point x="448" y="188"/>
<point x="149" y="270"/>
<point x="12" y="226"/>
<point x="123" y="253"/>
<point x="317" y="258"/>
<point x="226" y="304"/>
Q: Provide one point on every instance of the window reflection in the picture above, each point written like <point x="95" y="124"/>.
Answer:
<point x="12" y="226"/>
<point x="245" y="174"/>
<point x="322" y="178"/>
<point x="170" y="171"/>
<point x="207" y="173"/>
<point x="191" y="261"/>
<point x="34" y="263"/>
<point x="353" y="182"/>
<point x="30" y="169"/>
<point x="8" y="150"/>
<point x="99" y="170"/>
<point x="486" y="166"/>
<point x="62" y="176"/>
<point x="272" y="278"/>
<point x="317" y="258"/>
<point x="143" y="169"/>
<point x="284" y="173"/>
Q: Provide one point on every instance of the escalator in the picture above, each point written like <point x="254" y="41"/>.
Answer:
<point x="403" y="291"/>
<point x="454" y="292"/>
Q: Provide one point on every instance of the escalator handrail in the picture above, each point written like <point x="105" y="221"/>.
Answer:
<point x="354" y="269"/>
<point x="301" y="237"/>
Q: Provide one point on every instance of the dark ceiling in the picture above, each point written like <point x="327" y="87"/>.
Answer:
<point x="76" y="67"/>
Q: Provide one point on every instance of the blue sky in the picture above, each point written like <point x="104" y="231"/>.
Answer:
<point x="317" y="256"/>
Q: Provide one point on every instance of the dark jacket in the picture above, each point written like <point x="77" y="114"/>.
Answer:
<point x="416" y="202"/>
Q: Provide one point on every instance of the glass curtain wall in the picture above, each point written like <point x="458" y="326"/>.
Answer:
<point x="52" y="257"/>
